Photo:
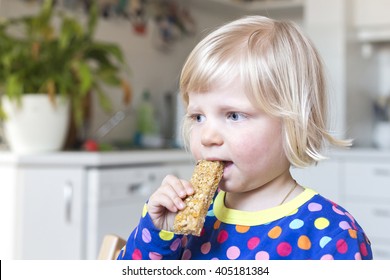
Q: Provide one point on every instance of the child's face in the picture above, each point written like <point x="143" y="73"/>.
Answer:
<point x="226" y="126"/>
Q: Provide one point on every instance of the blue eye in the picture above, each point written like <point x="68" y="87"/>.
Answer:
<point x="235" y="116"/>
<point x="197" y="118"/>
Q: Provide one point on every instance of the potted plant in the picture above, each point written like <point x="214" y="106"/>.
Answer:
<point x="54" y="54"/>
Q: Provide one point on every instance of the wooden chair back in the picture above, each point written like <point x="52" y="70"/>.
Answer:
<point x="111" y="247"/>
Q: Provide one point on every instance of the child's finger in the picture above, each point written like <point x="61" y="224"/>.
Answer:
<point x="169" y="203"/>
<point x="175" y="194"/>
<point x="188" y="187"/>
<point x="176" y="184"/>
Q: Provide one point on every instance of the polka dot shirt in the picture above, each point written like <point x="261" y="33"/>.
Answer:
<point x="307" y="227"/>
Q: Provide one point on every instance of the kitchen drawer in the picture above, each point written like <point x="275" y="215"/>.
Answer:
<point x="367" y="180"/>
<point x="373" y="217"/>
<point x="380" y="250"/>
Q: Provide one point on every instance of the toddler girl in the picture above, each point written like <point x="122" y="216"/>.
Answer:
<point x="256" y="100"/>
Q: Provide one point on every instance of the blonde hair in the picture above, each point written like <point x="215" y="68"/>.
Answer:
<point x="282" y="72"/>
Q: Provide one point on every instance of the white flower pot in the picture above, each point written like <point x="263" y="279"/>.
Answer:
<point x="36" y="126"/>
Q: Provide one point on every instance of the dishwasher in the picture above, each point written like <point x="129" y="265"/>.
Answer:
<point x="116" y="197"/>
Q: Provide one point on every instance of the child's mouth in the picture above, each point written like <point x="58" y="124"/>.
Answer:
<point x="227" y="165"/>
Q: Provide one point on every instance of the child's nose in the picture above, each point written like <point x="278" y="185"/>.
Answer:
<point x="211" y="136"/>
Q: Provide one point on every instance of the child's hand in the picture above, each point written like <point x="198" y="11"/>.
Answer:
<point x="167" y="200"/>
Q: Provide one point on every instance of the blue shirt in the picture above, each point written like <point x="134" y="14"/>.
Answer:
<point x="307" y="227"/>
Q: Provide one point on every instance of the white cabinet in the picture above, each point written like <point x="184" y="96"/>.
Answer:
<point x="369" y="13"/>
<point x="367" y="185"/>
<point x="51" y="216"/>
<point x="358" y="180"/>
<point x="66" y="202"/>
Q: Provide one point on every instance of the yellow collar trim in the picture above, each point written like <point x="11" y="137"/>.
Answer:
<point x="246" y="218"/>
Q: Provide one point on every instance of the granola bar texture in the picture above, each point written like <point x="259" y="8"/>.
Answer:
<point x="204" y="180"/>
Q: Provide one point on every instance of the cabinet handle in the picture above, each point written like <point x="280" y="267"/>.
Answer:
<point x="381" y="212"/>
<point x="134" y="188"/>
<point x="382" y="172"/>
<point x="68" y="198"/>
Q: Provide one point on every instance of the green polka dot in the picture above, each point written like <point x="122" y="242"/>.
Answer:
<point x="321" y="223"/>
<point x="166" y="235"/>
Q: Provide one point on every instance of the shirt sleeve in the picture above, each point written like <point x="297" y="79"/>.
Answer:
<point x="147" y="242"/>
<point x="347" y="245"/>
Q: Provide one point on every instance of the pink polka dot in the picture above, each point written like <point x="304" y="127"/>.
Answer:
<point x="262" y="255"/>
<point x="175" y="244"/>
<point x="137" y="255"/>
<point x="344" y="225"/>
<point x="186" y="254"/>
<point x="233" y="253"/>
<point x="350" y="216"/>
<point x="205" y="248"/>
<point x="363" y="249"/>
<point x="284" y="249"/>
<point x="314" y="207"/>
<point x="327" y="257"/>
<point x="253" y="243"/>
<point x="155" y="256"/>
<point x="222" y="236"/>
<point x="358" y="256"/>
<point x="146" y="236"/>
<point x="184" y="241"/>
<point x="338" y="211"/>
<point x="342" y="246"/>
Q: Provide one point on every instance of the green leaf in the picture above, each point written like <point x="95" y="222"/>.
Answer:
<point x="85" y="77"/>
<point x="13" y="87"/>
<point x="103" y="100"/>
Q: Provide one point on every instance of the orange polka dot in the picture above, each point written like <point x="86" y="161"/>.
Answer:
<point x="242" y="229"/>
<point x="304" y="242"/>
<point x="352" y="233"/>
<point x="275" y="232"/>
<point x="217" y="224"/>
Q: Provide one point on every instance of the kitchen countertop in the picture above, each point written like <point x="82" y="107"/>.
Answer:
<point x="360" y="154"/>
<point x="92" y="159"/>
<point x="132" y="157"/>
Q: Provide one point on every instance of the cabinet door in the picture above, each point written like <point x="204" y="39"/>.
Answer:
<point x="7" y="212"/>
<point x="368" y="200"/>
<point x="371" y="13"/>
<point x="51" y="219"/>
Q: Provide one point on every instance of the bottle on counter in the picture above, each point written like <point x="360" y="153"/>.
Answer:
<point x="147" y="135"/>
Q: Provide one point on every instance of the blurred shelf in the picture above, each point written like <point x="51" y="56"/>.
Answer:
<point x="375" y="34"/>
<point x="260" y="5"/>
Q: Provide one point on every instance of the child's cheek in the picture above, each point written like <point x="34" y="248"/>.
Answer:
<point x="195" y="147"/>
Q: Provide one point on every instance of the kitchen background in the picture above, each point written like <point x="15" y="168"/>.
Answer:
<point x="60" y="205"/>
